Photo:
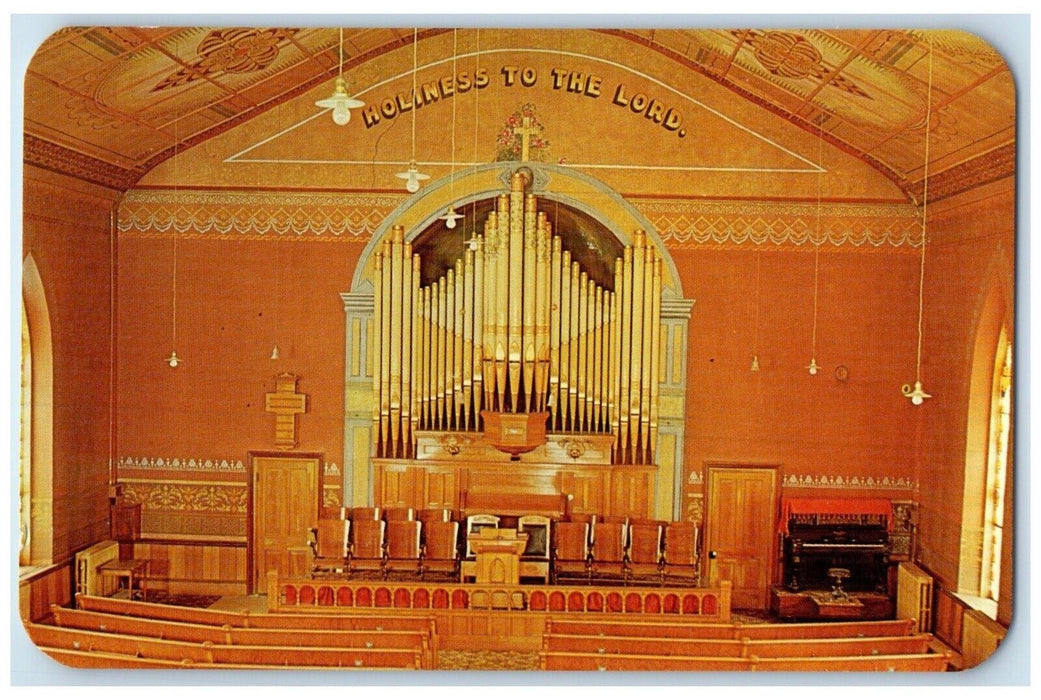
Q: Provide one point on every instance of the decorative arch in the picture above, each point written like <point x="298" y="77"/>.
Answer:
<point x="550" y="183"/>
<point x="39" y="452"/>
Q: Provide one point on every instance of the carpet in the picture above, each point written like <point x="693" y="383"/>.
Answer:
<point x="183" y="600"/>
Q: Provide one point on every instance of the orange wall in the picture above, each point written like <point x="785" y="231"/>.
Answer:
<point x="813" y="426"/>
<point x="67" y="231"/>
<point x="974" y="252"/>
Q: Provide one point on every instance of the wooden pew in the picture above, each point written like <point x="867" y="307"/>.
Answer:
<point x="226" y="634"/>
<point x="728" y="630"/>
<point x="48" y="636"/>
<point x="901" y="662"/>
<point x="360" y="619"/>
<point x="583" y="661"/>
<point x="657" y="646"/>
<point x="852" y="646"/>
<point x="104" y="660"/>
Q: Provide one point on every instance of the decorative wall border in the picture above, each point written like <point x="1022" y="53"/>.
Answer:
<point x="191" y="464"/>
<point x="685" y="223"/>
<point x="247" y="215"/>
<point x="822" y="481"/>
<point x="356" y="217"/>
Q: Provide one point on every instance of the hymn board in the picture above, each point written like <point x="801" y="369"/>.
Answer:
<point x="515" y="350"/>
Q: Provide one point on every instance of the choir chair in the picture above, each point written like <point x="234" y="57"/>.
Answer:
<point x="534" y="561"/>
<point x="680" y="555"/>
<point x="571" y="554"/>
<point x="645" y="550"/>
<point x="476" y="523"/>
<point x="366" y="513"/>
<point x="610" y="549"/>
<point x="440" y="549"/>
<point x="430" y="514"/>
<point x="398" y="513"/>
<point x="330" y="544"/>
<point x="368" y="550"/>
<point x="403" y="548"/>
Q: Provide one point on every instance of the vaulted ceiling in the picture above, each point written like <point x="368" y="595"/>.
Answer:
<point x="108" y="104"/>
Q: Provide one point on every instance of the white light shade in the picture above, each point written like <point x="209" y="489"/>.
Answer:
<point x="813" y="366"/>
<point x="173" y="360"/>
<point x="755" y="363"/>
<point x="450" y="217"/>
<point x="917" y="395"/>
<point x="340" y="103"/>
<point x="412" y="177"/>
<point x="274" y="353"/>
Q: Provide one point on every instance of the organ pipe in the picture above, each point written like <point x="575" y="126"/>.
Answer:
<point x="517" y="325"/>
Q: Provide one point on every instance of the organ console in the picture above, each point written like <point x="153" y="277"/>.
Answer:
<point x="517" y="329"/>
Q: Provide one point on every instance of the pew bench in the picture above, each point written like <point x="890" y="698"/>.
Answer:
<point x="900" y="662"/>
<point x="583" y="661"/>
<point x="47" y="636"/>
<point x="729" y="630"/>
<point x="658" y="646"/>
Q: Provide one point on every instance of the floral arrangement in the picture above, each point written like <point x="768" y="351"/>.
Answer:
<point x="509" y="139"/>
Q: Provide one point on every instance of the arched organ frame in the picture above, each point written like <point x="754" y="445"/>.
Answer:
<point x="517" y="327"/>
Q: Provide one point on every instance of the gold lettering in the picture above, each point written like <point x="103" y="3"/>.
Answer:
<point x="509" y="74"/>
<point x="481" y="78"/>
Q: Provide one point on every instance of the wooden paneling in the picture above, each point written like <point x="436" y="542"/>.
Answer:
<point x="195" y="567"/>
<point x="594" y="489"/>
<point x="36" y="595"/>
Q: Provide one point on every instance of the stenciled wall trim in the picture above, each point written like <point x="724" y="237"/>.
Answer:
<point x="355" y="217"/>
<point x="246" y="215"/>
<point x="684" y="224"/>
<point x="181" y="464"/>
<point x="823" y="481"/>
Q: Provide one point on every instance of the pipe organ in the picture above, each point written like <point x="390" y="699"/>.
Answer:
<point x="517" y="329"/>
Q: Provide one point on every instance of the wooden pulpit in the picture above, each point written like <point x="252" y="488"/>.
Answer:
<point x="498" y="555"/>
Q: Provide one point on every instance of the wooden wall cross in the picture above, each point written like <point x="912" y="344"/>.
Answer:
<point x="285" y="403"/>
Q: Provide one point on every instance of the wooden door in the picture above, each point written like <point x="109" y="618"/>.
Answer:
<point x="739" y="531"/>
<point x="284" y="508"/>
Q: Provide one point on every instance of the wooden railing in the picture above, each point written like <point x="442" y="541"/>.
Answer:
<point x="305" y="594"/>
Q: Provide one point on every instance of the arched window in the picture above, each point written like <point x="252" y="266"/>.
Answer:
<point x="36" y="468"/>
<point x="25" y="449"/>
<point x="997" y="469"/>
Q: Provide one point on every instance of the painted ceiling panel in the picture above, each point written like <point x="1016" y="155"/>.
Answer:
<point x="124" y="81"/>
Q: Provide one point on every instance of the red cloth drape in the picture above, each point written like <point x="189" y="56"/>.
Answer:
<point x="834" y="506"/>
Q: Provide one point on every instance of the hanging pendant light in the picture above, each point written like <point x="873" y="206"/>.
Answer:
<point x="451" y="216"/>
<point x="813" y="367"/>
<point x="755" y="324"/>
<point x="274" y="353"/>
<point x="917" y="394"/>
<point x="173" y="360"/>
<point x="412" y="176"/>
<point x="341" y="101"/>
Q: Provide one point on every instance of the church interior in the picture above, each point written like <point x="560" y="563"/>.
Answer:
<point x="517" y="340"/>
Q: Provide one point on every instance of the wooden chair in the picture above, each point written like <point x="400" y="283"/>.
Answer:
<point x="330" y="544"/>
<point x="680" y="556"/>
<point x="476" y="523"/>
<point x="440" y="550"/>
<point x="398" y="513"/>
<point x="368" y="551"/>
<point x="609" y="550"/>
<point x="645" y="551"/>
<point x="403" y="548"/>
<point x="535" y="558"/>
<point x="366" y="513"/>
<point x="571" y="555"/>
<point x="430" y="514"/>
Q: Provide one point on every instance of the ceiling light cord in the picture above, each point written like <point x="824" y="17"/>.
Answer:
<point x="813" y="367"/>
<point x="916" y="393"/>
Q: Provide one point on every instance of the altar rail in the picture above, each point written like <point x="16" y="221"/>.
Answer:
<point x="304" y="594"/>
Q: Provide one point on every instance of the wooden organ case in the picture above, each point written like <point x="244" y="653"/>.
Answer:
<point x="516" y="381"/>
